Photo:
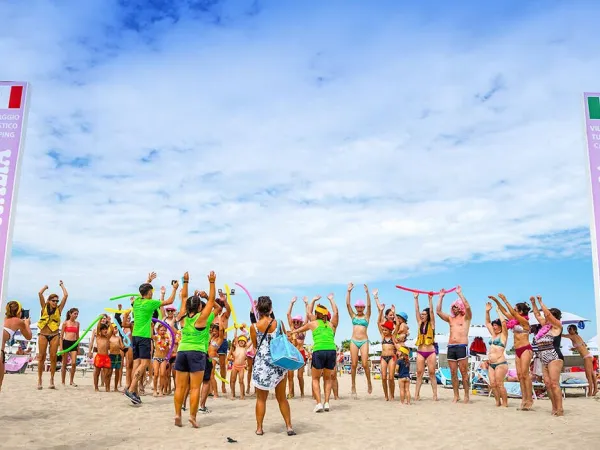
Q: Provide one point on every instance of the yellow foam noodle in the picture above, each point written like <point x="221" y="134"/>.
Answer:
<point x="233" y="316"/>
<point x="218" y="375"/>
<point x="117" y="311"/>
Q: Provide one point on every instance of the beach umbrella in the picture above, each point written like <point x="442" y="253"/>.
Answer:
<point x="566" y="319"/>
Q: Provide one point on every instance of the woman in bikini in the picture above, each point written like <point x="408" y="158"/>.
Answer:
<point x="388" y="348"/>
<point x="588" y="359"/>
<point x="162" y="344"/>
<point x="497" y="365"/>
<point x="548" y="341"/>
<point x="359" y="344"/>
<point x="518" y="321"/>
<point x="49" y="328"/>
<point x="296" y="322"/>
<point x="250" y="354"/>
<point x="12" y="323"/>
<point x="70" y="335"/>
<point x="425" y="346"/>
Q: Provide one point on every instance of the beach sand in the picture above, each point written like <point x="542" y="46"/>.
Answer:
<point x="81" y="418"/>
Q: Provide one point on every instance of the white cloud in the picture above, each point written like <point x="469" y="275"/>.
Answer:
<point x="301" y="154"/>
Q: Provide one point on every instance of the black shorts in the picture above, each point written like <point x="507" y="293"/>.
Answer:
<point x="456" y="352"/>
<point x="324" y="359"/>
<point x="207" y="370"/>
<point x="190" y="361"/>
<point x="66" y="344"/>
<point x="224" y="348"/>
<point x="142" y="348"/>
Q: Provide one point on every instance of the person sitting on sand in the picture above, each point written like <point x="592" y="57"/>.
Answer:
<point x="359" y="343"/>
<point x="324" y="354"/>
<point x="266" y="375"/>
<point x="404" y="375"/>
<point x="588" y="359"/>
<point x="115" y="353"/>
<point x="193" y="347"/>
<point x="102" y="364"/>
<point x="518" y="321"/>
<point x="13" y="322"/>
<point x="548" y="340"/>
<point x="497" y="365"/>
<point x="69" y="336"/>
<point x="460" y="320"/>
<point x="49" y="326"/>
<point x="162" y="344"/>
<point x="425" y="345"/>
<point x="143" y="310"/>
<point x="239" y="365"/>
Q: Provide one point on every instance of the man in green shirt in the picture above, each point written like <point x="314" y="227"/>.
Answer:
<point x="143" y="309"/>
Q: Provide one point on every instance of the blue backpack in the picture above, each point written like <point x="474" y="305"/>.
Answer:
<point x="283" y="353"/>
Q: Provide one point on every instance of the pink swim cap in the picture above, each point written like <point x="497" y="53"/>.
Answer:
<point x="297" y="318"/>
<point x="359" y="303"/>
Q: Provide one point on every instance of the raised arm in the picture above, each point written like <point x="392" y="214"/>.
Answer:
<point x="499" y="306"/>
<point x="348" y="295"/>
<point x="41" y="297"/>
<point x="468" y="311"/>
<point x="431" y="313"/>
<point x="63" y="301"/>
<point x="548" y="315"/>
<point x="438" y="309"/>
<point x="212" y="277"/>
<point x="335" y="314"/>
<point x="536" y="312"/>
<point x="151" y="277"/>
<point x="184" y="296"/>
<point x="368" y="302"/>
<point x="171" y="298"/>
<point x="311" y="308"/>
<point x="417" y="308"/>
<point x="307" y="326"/>
<point x="379" y="307"/>
<point x="488" y="322"/>
<point x="25" y="328"/>
<point x="309" y="312"/>
<point x="515" y="315"/>
<point x="289" y="313"/>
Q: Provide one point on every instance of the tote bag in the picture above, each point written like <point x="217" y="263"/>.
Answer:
<point x="283" y="353"/>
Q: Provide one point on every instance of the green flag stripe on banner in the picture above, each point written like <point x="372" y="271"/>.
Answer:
<point x="594" y="107"/>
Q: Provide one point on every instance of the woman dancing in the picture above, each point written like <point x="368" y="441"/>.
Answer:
<point x="425" y="346"/>
<point x="588" y="359"/>
<point x="519" y="323"/>
<point x="548" y="342"/>
<point x="70" y="335"/>
<point x="388" y="350"/>
<point x="48" y="326"/>
<point x="497" y="365"/>
<point x="298" y="341"/>
<point x="191" y="354"/>
<point x="266" y="375"/>
<point x="324" y="356"/>
<point x="12" y="323"/>
<point x="359" y="343"/>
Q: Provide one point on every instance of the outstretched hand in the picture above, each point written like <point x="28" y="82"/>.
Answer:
<point x="416" y="295"/>
<point x="186" y="276"/>
<point x="151" y="276"/>
<point x="212" y="276"/>
<point x="316" y="298"/>
<point x="330" y="297"/>
<point x="458" y="290"/>
<point x="163" y="290"/>
<point x="350" y="287"/>
<point x="305" y="299"/>
<point x="366" y="289"/>
<point x="502" y="297"/>
<point x="175" y="286"/>
<point x="375" y="292"/>
<point x="381" y="306"/>
<point x="488" y="307"/>
<point x="294" y="300"/>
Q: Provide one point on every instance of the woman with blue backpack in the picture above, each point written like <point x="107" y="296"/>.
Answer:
<point x="324" y="356"/>
<point x="266" y="374"/>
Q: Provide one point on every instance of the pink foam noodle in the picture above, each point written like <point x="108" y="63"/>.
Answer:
<point x="417" y="291"/>
<point x="250" y="297"/>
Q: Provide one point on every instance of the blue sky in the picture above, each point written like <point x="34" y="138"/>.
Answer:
<point x="296" y="146"/>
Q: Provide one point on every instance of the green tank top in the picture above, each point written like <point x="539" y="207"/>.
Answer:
<point x="323" y="337"/>
<point x="193" y="339"/>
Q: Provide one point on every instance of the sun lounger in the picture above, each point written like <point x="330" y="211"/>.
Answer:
<point x="573" y="380"/>
<point x="443" y="376"/>
<point x="16" y="363"/>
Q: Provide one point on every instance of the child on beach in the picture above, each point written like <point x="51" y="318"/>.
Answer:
<point x="115" y="344"/>
<point x="102" y="358"/>
<point x="162" y="343"/>
<point x="239" y="365"/>
<point x="404" y="376"/>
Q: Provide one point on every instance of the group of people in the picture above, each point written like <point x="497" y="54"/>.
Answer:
<point x="188" y="363"/>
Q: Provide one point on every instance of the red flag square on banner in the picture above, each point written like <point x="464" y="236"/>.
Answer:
<point x="10" y="97"/>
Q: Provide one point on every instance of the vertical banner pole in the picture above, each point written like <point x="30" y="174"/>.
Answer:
<point x="14" y="107"/>
<point x="592" y="129"/>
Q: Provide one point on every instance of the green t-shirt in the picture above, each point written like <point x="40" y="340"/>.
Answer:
<point x="193" y="339"/>
<point x="323" y="337"/>
<point x="142" y="316"/>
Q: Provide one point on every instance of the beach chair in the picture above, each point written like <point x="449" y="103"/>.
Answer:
<point x="443" y="376"/>
<point x="573" y="380"/>
<point x="16" y="363"/>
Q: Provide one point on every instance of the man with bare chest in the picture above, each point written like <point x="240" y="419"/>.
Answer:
<point x="460" y="321"/>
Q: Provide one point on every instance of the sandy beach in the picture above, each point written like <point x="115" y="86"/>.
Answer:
<point x="80" y="418"/>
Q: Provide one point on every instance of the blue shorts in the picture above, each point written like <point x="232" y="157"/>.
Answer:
<point x="190" y="361"/>
<point x="207" y="370"/>
<point x="324" y="359"/>
<point x="224" y="348"/>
